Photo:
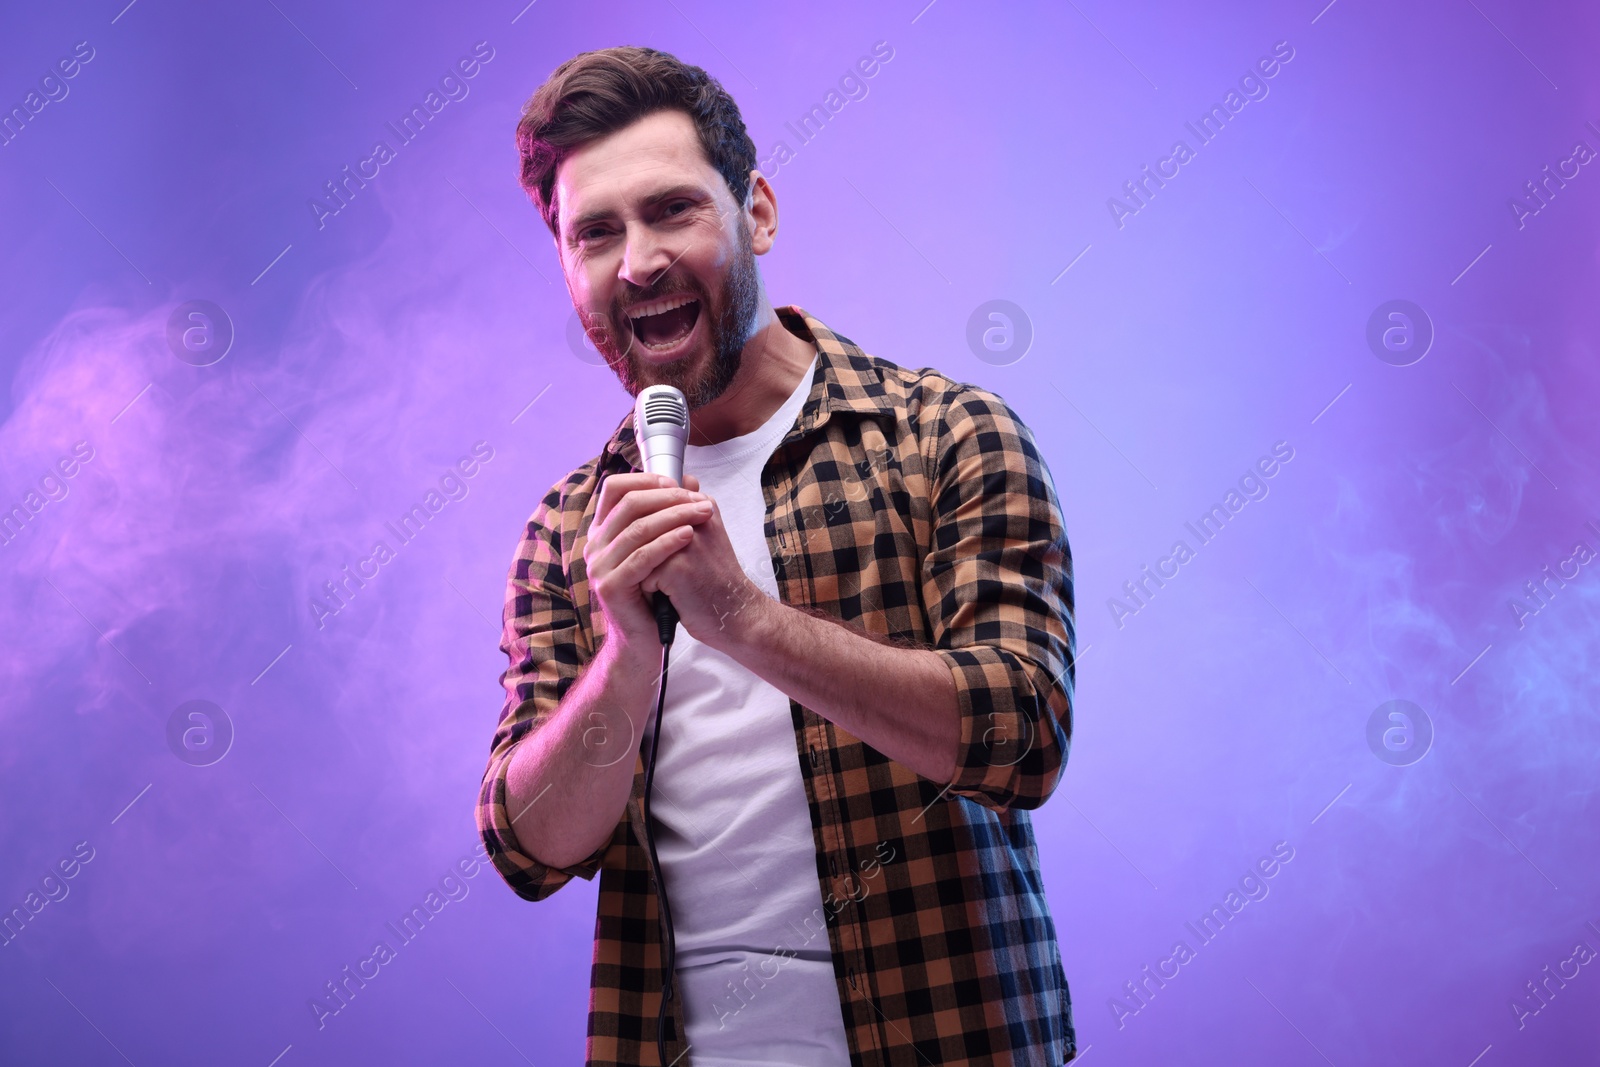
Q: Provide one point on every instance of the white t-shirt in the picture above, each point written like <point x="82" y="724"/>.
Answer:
<point x="733" y="830"/>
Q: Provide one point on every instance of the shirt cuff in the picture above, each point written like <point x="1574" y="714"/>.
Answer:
<point x="527" y="877"/>
<point x="1012" y="742"/>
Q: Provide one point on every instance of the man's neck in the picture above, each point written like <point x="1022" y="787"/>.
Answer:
<point x="772" y="363"/>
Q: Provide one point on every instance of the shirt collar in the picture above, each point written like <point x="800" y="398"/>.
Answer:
<point x="845" y="380"/>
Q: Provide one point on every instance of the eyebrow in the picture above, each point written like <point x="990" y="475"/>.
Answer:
<point x="684" y="189"/>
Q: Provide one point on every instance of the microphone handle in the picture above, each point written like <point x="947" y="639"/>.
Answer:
<point x="666" y="618"/>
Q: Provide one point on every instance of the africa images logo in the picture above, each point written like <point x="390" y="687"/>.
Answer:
<point x="339" y="591"/>
<point x="1207" y="128"/>
<point x="454" y="86"/>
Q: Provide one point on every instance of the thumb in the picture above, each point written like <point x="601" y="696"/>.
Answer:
<point x="691" y="483"/>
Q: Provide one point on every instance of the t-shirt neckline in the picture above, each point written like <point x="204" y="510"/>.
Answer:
<point x="767" y="434"/>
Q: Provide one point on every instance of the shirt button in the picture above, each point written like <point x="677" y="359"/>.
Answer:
<point x="833" y="868"/>
<point x="814" y="757"/>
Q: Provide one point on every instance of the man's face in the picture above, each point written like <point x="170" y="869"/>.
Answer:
<point x="657" y="257"/>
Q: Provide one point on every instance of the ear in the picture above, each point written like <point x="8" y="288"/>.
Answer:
<point x="763" y="214"/>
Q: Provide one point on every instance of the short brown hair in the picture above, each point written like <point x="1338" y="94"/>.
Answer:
<point x="597" y="93"/>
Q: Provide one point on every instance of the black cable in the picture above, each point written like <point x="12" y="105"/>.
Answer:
<point x="667" y="624"/>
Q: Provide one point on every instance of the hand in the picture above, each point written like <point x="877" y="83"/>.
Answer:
<point x="704" y="580"/>
<point x="640" y="521"/>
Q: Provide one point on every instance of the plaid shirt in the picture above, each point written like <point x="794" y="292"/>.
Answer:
<point x="919" y="510"/>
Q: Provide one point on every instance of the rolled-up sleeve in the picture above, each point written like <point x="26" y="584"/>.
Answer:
<point x="546" y="651"/>
<point x="997" y="586"/>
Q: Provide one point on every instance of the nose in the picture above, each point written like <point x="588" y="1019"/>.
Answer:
<point x="644" y="256"/>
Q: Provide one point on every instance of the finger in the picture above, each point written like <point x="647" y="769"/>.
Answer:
<point x="641" y="564"/>
<point x="692" y="483"/>
<point x="639" y="503"/>
<point x="617" y="486"/>
<point x="633" y="535"/>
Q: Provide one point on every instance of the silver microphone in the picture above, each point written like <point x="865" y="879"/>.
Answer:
<point x="661" y="429"/>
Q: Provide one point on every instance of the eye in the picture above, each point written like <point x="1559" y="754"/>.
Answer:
<point x="675" y="204"/>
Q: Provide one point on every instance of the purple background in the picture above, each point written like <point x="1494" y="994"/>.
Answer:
<point x="1228" y="714"/>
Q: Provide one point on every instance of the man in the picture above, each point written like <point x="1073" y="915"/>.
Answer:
<point x="872" y="681"/>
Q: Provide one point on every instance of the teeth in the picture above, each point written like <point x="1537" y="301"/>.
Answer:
<point x="658" y="306"/>
<point x="661" y="346"/>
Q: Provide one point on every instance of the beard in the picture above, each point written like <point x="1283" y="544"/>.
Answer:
<point x="728" y="319"/>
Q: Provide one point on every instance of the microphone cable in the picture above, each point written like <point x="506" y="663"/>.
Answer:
<point x="666" y="625"/>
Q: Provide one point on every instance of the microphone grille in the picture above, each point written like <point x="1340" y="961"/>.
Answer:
<point x="666" y="405"/>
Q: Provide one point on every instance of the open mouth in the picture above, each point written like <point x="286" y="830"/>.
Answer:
<point x="668" y="323"/>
